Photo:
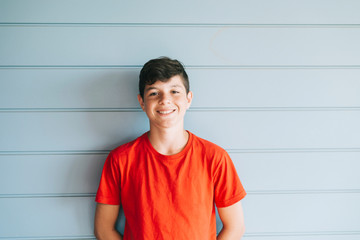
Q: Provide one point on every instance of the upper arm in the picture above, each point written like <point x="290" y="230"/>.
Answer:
<point x="232" y="217"/>
<point x="105" y="218"/>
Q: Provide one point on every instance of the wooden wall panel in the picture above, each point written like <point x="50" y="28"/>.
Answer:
<point x="50" y="174"/>
<point x="42" y="217"/>
<point x="217" y="45"/>
<point x="298" y="171"/>
<point x="302" y="213"/>
<point x="189" y="12"/>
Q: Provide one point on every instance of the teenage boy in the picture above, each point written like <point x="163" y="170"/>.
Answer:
<point x="168" y="180"/>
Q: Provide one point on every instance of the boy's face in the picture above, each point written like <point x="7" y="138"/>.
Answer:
<point x="165" y="103"/>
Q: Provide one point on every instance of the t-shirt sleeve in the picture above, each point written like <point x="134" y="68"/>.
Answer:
<point x="228" y="188"/>
<point x="109" y="187"/>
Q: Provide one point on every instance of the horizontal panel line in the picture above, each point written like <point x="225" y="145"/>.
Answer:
<point x="155" y="24"/>
<point x="123" y="66"/>
<point x="302" y="192"/>
<point x="70" y="110"/>
<point x="192" y="109"/>
<point x="235" y="109"/>
<point x="292" y="150"/>
<point x="51" y="237"/>
<point x="70" y="66"/>
<point x="102" y="152"/>
<point x="48" y="195"/>
<point x="322" y="233"/>
<point x="257" y="192"/>
<point x="63" y="152"/>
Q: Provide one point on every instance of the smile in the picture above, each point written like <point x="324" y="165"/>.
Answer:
<point x="166" y="112"/>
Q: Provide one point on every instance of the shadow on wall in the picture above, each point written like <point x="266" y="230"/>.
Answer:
<point x="111" y="89"/>
<point x="116" y="117"/>
<point x="120" y="223"/>
<point x="109" y="99"/>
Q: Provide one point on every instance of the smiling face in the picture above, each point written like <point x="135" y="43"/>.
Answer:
<point x="165" y="103"/>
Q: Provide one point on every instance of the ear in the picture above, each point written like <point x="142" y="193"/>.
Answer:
<point x="189" y="98"/>
<point x="141" y="102"/>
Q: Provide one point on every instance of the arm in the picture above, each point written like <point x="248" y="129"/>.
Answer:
<point x="233" y="222"/>
<point x="105" y="219"/>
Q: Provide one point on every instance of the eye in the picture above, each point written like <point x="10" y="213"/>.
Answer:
<point x="174" y="91"/>
<point x="153" y="94"/>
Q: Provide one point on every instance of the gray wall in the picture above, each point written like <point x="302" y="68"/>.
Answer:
<point x="276" y="83"/>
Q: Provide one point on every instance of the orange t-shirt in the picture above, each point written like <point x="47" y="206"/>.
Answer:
<point x="169" y="197"/>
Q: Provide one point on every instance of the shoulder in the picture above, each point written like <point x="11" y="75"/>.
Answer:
<point x="207" y="146"/>
<point x="128" y="148"/>
<point x="212" y="154"/>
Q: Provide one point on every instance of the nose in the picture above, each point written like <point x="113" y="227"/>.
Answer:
<point x="164" y="98"/>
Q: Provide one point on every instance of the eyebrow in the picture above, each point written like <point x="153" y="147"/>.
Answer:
<point x="149" y="88"/>
<point x="172" y="86"/>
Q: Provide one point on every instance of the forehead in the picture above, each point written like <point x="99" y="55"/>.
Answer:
<point x="173" y="82"/>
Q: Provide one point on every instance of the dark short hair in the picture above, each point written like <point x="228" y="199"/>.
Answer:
<point x="161" y="69"/>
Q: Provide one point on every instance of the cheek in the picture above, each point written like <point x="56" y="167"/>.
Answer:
<point x="185" y="105"/>
<point x="148" y="105"/>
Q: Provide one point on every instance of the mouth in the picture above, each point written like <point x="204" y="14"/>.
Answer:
<point x="166" y="112"/>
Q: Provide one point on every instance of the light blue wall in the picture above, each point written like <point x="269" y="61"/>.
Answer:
<point x="276" y="83"/>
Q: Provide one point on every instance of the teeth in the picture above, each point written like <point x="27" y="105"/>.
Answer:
<point x="165" y="112"/>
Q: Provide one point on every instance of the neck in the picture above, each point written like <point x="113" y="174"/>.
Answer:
<point x="168" y="141"/>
